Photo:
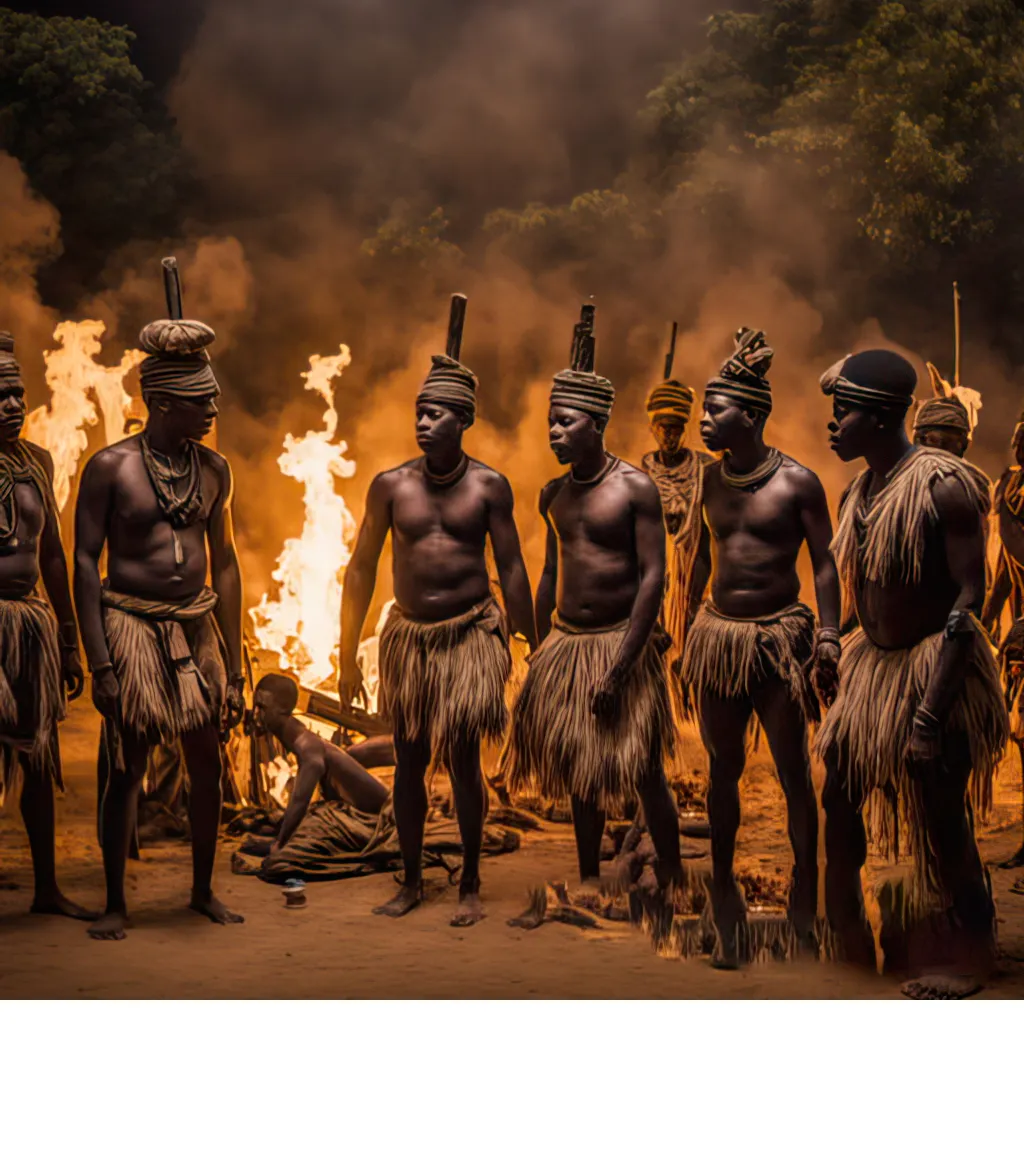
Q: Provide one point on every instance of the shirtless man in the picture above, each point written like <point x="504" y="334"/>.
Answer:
<point x="749" y="646"/>
<point x="919" y="716"/>
<point x="1008" y="587"/>
<point x="156" y="636"/>
<point x="38" y="652"/>
<point x="274" y="702"/>
<point x="593" y="723"/>
<point x="444" y="656"/>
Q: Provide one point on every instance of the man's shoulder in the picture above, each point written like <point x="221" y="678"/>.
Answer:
<point x="488" y="476"/>
<point x="108" y="460"/>
<point x="805" y="480"/>
<point x="551" y="490"/>
<point x="637" y="479"/>
<point x="40" y="453"/>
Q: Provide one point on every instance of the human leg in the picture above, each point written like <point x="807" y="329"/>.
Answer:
<point x="471" y="809"/>
<point x="846" y="849"/>
<point x="409" y="798"/>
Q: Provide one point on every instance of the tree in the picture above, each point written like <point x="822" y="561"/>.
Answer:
<point x="89" y="132"/>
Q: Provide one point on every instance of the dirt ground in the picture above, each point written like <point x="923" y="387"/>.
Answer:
<point x="335" y="948"/>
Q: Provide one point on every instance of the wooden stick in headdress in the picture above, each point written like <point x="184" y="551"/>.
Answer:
<point x="670" y="355"/>
<point x="172" y="288"/>
<point x="581" y="355"/>
<point x="956" y="336"/>
<point x="456" y="322"/>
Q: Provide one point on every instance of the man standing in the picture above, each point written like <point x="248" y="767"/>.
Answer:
<point x="946" y="422"/>
<point x="156" y="635"/>
<point x="678" y="474"/>
<point x="444" y="656"/>
<point x="38" y="652"/>
<point x="593" y="723"/>
<point x="750" y="645"/>
<point x="919" y="718"/>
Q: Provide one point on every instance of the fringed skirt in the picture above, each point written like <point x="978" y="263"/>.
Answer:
<point x="169" y="663"/>
<point x="557" y="746"/>
<point x="444" y="681"/>
<point x="728" y="657"/>
<point x="867" y="732"/>
<point x="31" y="691"/>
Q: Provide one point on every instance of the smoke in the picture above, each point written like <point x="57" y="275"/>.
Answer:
<point x="310" y="127"/>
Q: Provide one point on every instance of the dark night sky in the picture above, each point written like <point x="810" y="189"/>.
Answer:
<point x="165" y="28"/>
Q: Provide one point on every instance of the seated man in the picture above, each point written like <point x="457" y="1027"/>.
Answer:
<point x="319" y="761"/>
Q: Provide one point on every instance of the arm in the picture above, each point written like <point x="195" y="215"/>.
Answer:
<point x="649" y="534"/>
<point x="508" y="556"/>
<point x="701" y="570"/>
<point x="964" y="542"/>
<point x="95" y="499"/>
<point x="53" y="567"/>
<point x="817" y="526"/>
<point x="360" y="577"/>
<point x="226" y="580"/>
<point x="547" y="589"/>
<point x="998" y="594"/>
<point x="312" y="768"/>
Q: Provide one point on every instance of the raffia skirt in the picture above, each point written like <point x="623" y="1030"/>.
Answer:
<point x="558" y="748"/>
<point x="31" y="692"/>
<point x="444" y="681"/>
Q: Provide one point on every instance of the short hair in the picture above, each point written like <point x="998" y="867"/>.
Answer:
<point x="283" y="689"/>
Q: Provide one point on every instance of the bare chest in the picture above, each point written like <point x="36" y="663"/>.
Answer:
<point x="31" y="512"/>
<point x="135" y="505"/>
<point x="767" y="513"/>
<point x="600" y="516"/>
<point x="1011" y="525"/>
<point x="420" y="511"/>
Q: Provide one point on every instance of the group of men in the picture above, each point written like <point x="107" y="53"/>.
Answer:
<point x="668" y="591"/>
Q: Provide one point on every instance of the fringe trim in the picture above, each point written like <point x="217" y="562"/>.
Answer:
<point x="445" y="681"/>
<point x="728" y="657"/>
<point x="29" y="653"/>
<point x="868" y="730"/>
<point x="558" y="748"/>
<point x="1011" y="670"/>
<point x="885" y="541"/>
<point x="164" y="695"/>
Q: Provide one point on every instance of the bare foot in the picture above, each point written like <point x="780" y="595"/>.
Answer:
<point x="470" y="911"/>
<point x="408" y="897"/>
<point x="941" y="987"/>
<point x="730" y="917"/>
<point x="57" y="904"/>
<point x="725" y="957"/>
<point x="1016" y="860"/>
<point x="110" y="926"/>
<point x="214" y="910"/>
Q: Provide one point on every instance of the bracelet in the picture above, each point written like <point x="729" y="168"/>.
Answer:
<point x="237" y="681"/>
<point x="958" y="623"/>
<point x="96" y="668"/>
<point x="829" y="634"/>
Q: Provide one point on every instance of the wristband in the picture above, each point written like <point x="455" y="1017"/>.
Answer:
<point x="926" y="720"/>
<point x="97" y="668"/>
<point x="958" y="623"/>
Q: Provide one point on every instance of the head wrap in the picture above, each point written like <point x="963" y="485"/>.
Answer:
<point x="451" y="385"/>
<point x="584" y="392"/>
<point x="877" y="378"/>
<point x="178" y="363"/>
<point x="9" y="367"/>
<point x="671" y="399"/>
<point x="944" y="412"/>
<point x="743" y="377"/>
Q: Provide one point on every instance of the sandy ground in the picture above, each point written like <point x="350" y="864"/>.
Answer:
<point x="335" y="948"/>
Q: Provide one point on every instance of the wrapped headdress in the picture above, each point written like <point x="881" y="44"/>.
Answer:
<point x="578" y="386"/>
<point x="878" y="378"/>
<point x="448" y="382"/>
<point x="744" y="376"/>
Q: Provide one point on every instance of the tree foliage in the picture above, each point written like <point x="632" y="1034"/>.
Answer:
<point x="88" y="131"/>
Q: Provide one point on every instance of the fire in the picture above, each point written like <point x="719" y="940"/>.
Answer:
<point x="77" y="384"/>
<point x="301" y="622"/>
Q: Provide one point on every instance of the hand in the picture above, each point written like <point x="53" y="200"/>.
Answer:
<point x="351" y="687"/>
<point x="608" y="696"/>
<point x="106" y="693"/>
<point x="234" y="706"/>
<point x="825" y="672"/>
<point x="71" y="672"/>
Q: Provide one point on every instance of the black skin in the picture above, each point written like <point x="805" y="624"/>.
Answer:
<point x="1011" y="537"/>
<point x="898" y="615"/>
<point x="318" y="759"/>
<point x="668" y="431"/>
<point x="604" y="563"/>
<point x="439" y="537"/>
<point x="38" y="552"/>
<point x="118" y="508"/>
<point x="756" y="537"/>
<point x="948" y="439"/>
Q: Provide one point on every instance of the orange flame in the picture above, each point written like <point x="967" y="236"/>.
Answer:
<point x="300" y="623"/>
<point x="77" y="384"/>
